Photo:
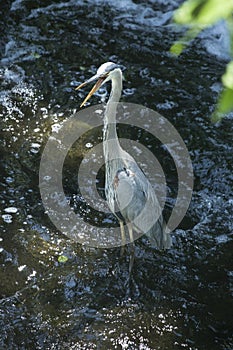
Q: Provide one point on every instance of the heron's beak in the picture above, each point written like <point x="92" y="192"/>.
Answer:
<point x="94" y="89"/>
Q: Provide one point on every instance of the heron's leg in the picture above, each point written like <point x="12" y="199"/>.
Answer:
<point x="123" y="237"/>
<point x="130" y="228"/>
<point x="132" y="251"/>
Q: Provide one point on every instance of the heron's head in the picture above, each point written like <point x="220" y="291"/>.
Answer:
<point x="104" y="73"/>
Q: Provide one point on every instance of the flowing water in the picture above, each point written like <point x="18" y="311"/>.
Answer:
<point x="181" y="299"/>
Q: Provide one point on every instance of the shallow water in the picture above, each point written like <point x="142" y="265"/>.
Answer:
<point x="181" y="299"/>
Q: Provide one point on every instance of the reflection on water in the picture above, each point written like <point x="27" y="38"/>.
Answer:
<point x="178" y="300"/>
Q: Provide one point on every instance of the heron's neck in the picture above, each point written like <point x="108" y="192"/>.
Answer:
<point x="110" y="133"/>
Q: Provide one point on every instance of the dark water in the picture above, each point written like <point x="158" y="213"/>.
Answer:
<point x="176" y="300"/>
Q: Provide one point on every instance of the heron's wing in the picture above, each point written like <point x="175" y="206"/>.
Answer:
<point x="139" y="205"/>
<point x="136" y="198"/>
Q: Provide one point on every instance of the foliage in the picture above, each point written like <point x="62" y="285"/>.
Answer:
<point x="62" y="259"/>
<point x="197" y="15"/>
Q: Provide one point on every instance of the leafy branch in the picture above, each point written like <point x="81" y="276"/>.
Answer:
<point x="197" y="15"/>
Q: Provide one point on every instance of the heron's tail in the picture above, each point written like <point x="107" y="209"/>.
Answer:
<point x="159" y="235"/>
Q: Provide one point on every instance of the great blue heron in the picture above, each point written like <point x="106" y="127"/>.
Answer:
<point x="123" y="177"/>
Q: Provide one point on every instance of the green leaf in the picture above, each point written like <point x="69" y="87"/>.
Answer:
<point x="180" y="45"/>
<point x="225" y="103"/>
<point x="227" y="78"/>
<point x="62" y="259"/>
<point x="204" y="12"/>
<point x="177" y="48"/>
<point x="214" y="10"/>
<point x="183" y="15"/>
